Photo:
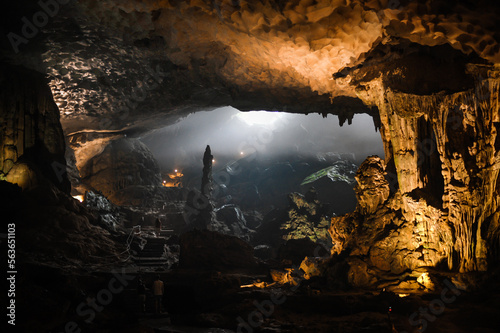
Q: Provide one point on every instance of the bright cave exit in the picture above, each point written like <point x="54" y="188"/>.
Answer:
<point x="268" y="155"/>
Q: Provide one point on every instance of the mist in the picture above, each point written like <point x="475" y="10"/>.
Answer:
<point x="232" y="135"/>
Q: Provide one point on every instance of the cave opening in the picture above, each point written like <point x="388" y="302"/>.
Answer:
<point x="279" y="153"/>
<point x="251" y="219"/>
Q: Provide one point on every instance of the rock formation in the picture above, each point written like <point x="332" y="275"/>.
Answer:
<point x="31" y="137"/>
<point x="211" y="250"/>
<point x="444" y="151"/>
<point x="123" y="171"/>
<point x="307" y="218"/>
<point x="427" y="71"/>
<point x="199" y="208"/>
<point x="52" y="225"/>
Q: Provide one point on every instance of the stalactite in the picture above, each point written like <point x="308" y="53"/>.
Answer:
<point x="448" y="192"/>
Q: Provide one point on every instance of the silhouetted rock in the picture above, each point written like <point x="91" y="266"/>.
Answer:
<point x="212" y="250"/>
<point x="123" y="171"/>
<point x="230" y="220"/>
<point x="295" y="250"/>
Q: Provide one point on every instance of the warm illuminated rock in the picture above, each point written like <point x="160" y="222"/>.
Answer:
<point x="426" y="70"/>
<point x="444" y="150"/>
<point x="306" y="218"/>
<point x="372" y="189"/>
<point x="31" y="138"/>
<point x="310" y="267"/>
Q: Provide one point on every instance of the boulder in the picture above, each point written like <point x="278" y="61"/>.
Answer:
<point x="230" y="220"/>
<point x="295" y="250"/>
<point x="123" y="164"/>
<point x="307" y="217"/>
<point x="204" y="249"/>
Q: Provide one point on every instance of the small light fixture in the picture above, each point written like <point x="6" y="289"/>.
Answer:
<point x="78" y="197"/>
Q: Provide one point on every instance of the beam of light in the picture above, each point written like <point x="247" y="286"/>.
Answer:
<point x="258" y="117"/>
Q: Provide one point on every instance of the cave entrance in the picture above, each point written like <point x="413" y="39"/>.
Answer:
<point x="261" y="157"/>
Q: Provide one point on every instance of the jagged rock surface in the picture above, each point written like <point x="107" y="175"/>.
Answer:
<point x="445" y="152"/>
<point x="307" y="218"/>
<point x="427" y="70"/>
<point x="123" y="171"/>
<point x="31" y="137"/>
<point x="372" y="189"/>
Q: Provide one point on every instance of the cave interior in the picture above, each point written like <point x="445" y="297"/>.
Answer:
<point x="281" y="166"/>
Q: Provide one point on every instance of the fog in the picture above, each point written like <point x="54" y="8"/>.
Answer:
<point x="232" y="134"/>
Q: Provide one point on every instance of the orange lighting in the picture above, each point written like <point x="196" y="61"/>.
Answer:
<point x="78" y="197"/>
<point x="174" y="179"/>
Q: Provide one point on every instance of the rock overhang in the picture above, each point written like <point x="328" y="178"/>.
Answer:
<point x="120" y="64"/>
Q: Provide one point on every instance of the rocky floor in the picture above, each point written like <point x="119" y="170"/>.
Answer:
<point x="199" y="301"/>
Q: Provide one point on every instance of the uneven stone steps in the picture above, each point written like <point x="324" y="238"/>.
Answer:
<point x="153" y="253"/>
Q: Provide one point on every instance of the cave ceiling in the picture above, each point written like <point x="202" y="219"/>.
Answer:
<point x="117" y="65"/>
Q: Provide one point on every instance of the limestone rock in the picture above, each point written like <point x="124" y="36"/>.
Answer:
<point x="212" y="250"/>
<point x="444" y="158"/>
<point x="286" y="277"/>
<point x="295" y="250"/>
<point x="307" y="217"/>
<point x="31" y="137"/>
<point x="310" y="267"/>
<point x="123" y="163"/>
<point x="372" y="189"/>
<point x="22" y="175"/>
<point x="230" y="220"/>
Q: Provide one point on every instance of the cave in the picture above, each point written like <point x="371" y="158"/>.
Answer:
<point x="236" y="166"/>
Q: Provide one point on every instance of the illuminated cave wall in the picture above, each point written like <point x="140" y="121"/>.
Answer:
<point x="429" y="69"/>
<point x="120" y="60"/>
<point x="31" y="137"/>
<point x="443" y="156"/>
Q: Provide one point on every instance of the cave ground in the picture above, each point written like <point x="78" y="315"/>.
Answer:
<point x="205" y="300"/>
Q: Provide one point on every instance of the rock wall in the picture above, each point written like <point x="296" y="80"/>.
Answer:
<point x="31" y="137"/>
<point x="307" y="218"/>
<point x="124" y="171"/>
<point x="443" y="161"/>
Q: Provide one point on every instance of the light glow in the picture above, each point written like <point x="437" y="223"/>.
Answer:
<point x="425" y="280"/>
<point x="259" y="117"/>
<point x="78" y="197"/>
